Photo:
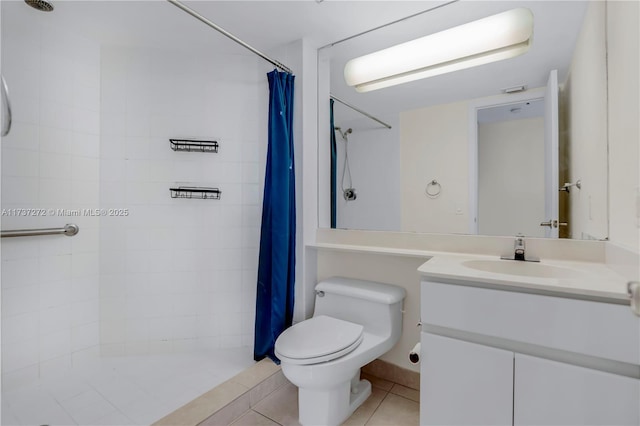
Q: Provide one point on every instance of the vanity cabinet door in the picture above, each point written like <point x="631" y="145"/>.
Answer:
<point x="464" y="383"/>
<point x="553" y="393"/>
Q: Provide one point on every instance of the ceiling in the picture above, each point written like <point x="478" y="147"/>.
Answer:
<point x="268" y="25"/>
<point x="264" y="24"/>
<point x="512" y="111"/>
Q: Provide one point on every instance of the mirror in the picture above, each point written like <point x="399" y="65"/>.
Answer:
<point x="511" y="192"/>
<point x="461" y="155"/>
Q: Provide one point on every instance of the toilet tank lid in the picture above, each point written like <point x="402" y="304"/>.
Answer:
<point x="362" y="289"/>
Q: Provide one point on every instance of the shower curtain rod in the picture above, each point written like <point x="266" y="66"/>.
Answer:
<point x="276" y="63"/>
<point x="229" y="35"/>
<point x="360" y="111"/>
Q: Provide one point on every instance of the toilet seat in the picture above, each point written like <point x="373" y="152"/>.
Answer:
<point x="318" y="339"/>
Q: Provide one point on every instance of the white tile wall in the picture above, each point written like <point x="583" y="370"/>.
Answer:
<point x="91" y="129"/>
<point x="178" y="274"/>
<point x="49" y="284"/>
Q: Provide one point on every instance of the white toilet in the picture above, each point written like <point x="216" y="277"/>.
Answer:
<point x="354" y="322"/>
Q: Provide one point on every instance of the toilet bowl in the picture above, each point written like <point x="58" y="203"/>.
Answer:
<point x="354" y="322"/>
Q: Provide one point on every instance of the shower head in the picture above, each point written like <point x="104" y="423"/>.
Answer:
<point x="41" y="5"/>
<point x="345" y="133"/>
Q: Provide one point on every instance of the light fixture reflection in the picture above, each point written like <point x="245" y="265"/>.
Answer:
<point x="494" y="38"/>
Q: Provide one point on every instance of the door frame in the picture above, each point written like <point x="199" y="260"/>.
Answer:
<point x="474" y="107"/>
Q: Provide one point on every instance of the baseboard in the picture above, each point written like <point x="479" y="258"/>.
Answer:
<point x="393" y="373"/>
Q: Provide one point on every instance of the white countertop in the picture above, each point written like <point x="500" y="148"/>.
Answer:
<point x="579" y="278"/>
<point x="590" y="279"/>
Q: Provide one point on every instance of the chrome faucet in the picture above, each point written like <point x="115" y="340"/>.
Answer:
<point x="519" y="252"/>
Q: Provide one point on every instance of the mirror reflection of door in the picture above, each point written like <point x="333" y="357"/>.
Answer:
<point x="511" y="184"/>
<point x="518" y="166"/>
<point x="551" y="157"/>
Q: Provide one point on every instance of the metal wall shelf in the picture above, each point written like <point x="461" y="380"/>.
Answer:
<point x="191" y="145"/>
<point x="202" y="193"/>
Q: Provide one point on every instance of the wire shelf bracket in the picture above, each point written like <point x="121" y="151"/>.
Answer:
<point x="196" y="192"/>
<point x="191" y="145"/>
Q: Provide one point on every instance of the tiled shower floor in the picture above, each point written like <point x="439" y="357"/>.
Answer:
<point x="134" y="390"/>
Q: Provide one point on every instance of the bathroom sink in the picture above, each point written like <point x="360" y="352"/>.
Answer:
<point x="514" y="267"/>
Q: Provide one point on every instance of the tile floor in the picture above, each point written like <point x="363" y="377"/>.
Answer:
<point x="123" y="390"/>
<point x="389" y="404"/>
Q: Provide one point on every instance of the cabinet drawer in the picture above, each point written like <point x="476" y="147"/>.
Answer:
<point x="602" y="330"/>
<point x="462" y="383"/>
<point x="552" y="393"/>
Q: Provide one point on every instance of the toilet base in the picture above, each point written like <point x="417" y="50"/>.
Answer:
<point x="356" y="400"/>
<point x="333" y="406"/>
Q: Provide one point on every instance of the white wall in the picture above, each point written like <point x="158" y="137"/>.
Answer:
<point x="390" y="269"/>
<point x="624" y="127"/>
<point x="511" y="177"/>
<point x="585" y="94"/>
<point x="374" y="160"/>
<point x="323" y="150"/>
<point x="179" y="273"/>
<point x="602" y="97"/>
<point x="434" y="146"/>
<point x="49" y="161"/>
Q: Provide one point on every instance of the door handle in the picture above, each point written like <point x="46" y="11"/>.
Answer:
<point x="553" y="223"/>
<point x="550" y="223"/>
<point x="633" y="289"/>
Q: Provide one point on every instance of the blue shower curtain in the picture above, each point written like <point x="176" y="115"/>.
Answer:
<point x="276" y="265"/>
<point x="334" y="165"/>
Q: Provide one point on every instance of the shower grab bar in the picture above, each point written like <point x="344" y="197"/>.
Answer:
<point x="366" y="114"/>
<point x="6" y="113"/>
<point x="70" y="229"/>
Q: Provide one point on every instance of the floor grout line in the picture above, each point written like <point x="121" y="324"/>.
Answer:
<point x="377" y="406"/>
<point x="266" y="417"/>
<point x="403" y="397"/>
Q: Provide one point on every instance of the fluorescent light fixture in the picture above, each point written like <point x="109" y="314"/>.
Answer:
<point x="490" y="39"/>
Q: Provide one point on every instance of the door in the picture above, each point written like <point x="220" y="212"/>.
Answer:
<point x="553" y="393"/>
<point x="549" y="213"/>
<point x="551" y="156"/>
<point x="463" y="383"/>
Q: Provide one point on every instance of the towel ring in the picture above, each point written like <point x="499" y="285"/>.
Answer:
<point x="433" y="189"/>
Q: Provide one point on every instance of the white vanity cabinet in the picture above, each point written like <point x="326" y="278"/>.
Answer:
<point x="553" y="393"/>
<point x="464" y="383"/>
<point x="493" y="356"/>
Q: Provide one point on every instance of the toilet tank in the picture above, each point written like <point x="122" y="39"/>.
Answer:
<point x="376" y="306"/>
